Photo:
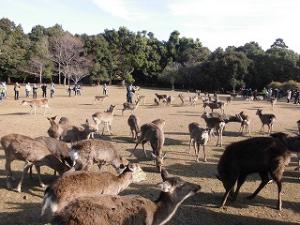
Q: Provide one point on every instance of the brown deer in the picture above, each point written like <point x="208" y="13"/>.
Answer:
<point x="128" y="209"/>
<point x="105" y="118"/>
<point x="87" y="183"/>
<point x="36" y="103"/>
<point x="32" y="152"/>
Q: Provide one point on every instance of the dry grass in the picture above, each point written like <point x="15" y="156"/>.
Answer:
<point x="24" y="208"/>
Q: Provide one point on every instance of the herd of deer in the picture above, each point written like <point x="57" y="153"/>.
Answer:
<point x="80" y="196"/>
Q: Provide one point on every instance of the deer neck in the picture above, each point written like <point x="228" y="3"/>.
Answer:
<point x="166" y="207"/>
<point x="124" y="181"/>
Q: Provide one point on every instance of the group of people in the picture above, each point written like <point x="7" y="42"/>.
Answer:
<point x="76" y="88"/>
<point x="34" y="90"/>
<point x="293" y="94"/>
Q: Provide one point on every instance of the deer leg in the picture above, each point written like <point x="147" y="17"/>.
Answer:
<point x="277" y="176"/>
<point x="228" y="188"/>
<point x="38" y="169"/>
<point x="190" y="144"/>
<point x="204" y="154"/>
<point x="109" y="125"/>
<point x="139" y="141"/>
<point x="8" y="174"/>
<point x="240" y="182"/>
<point x="264" y="180"/>
<point x="25" y="170"/>
<point x="196" y="148"/>
<point x="143" y="145"/>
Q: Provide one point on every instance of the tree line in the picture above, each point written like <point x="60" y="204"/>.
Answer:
<point x="52" y="53"/>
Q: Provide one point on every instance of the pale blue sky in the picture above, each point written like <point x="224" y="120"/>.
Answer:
<point x="215" y="22"/>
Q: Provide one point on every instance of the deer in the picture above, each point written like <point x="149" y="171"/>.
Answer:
<point x="273" y="101"/>
<point x="199" y="136"/>
<point x="141" y="98"/>
<point x="193" y="99"/>
<point x="36" y="103"/>
<point x="88" y="183"/>
<point x="266" y="119"/>
<point x="245" y="124"/>
<point x="130" y="106"/>
<point x="88" y="152"/>
<point x="160" y="96"/>
<point x="298" y="125"/>
<point x="32" y="152"/>
<point x="128" y="209"/>
<point x="100" y="98"/>
<point x="263" y="155"/>
<point x="104" y="117"/>
<point x="183" y="98"/>
<point x="133" y="122"/>
<point x="214" y="105"/>
<point x="155" y="135"/>
<point x="214" y="124"/>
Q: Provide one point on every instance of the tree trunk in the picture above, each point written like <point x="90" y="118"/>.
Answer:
<point x="41" y="71"/>
<point x="59" y="76"/>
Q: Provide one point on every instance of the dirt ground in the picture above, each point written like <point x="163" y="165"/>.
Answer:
<point x="24" y="208"/>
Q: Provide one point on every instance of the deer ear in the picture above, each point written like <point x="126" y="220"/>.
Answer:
<point x="164" y="174"/>
<point x="53" y="118"/>
<point x="165" y="186"/>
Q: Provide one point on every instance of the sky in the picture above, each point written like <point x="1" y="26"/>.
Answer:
<point x="217" y="23"/>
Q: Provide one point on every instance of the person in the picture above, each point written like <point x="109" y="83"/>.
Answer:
<point x="34" y="91"/>
<point x="17" y="89"/>
<point x="70" y="91"/>
<point x="78" y="89"/>
<point x="1" y="92"/>
<point x="27" y="90"/>
<point x="254" y="94"/>
<point x="297" y="97"/>
<point x="289" y="96"/>
<point x="4" y="89"/>
<point x="44" y="89"/>
<point x="104" y="89"/>
<point x="129" y="94"/>
<point x="52" y="90"/>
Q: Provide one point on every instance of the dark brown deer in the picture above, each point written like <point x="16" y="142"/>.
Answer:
<point x="263" y="155"/>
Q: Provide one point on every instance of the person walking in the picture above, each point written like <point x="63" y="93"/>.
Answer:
<point x="52" y="90"/>
<point x="27" y="90"/>
<point x="129" y="94"/>
<point x="105" y="89"/>
<point x="44" y="89"/>
<point x="34" y="91"/>
<point x="289" y="96"/>
<point x="17" y="90"/>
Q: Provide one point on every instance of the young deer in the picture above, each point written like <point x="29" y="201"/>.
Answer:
<point x="130" y="106"/>
<point x="214" y="124"/>
<point x="245" y="124"/>
<point x="133" y="122"/>
<point x="57" y="130"/>
<point x="36" y="103"/>
<point x="104" y="117"/>
<point x="198" y="136"/>
<point x="141" y="98"/>
<point x="267" y="156"/>
<point x="266" y="119"/>
<point x="154" y="134"/>
<point x="32" y="152"/>
<point x="128" y="209"/>
<point x="87" y="183"/>
<point x="85" y="153"/>
<point x="273" y="101"/>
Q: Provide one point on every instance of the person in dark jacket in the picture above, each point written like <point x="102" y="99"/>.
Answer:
<point x="44" y="89"/>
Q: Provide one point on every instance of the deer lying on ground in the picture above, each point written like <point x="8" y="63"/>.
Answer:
<point x="100" y="98"/>
<point x="68" y="133"/>
<point x="198" y="136"/>
<point x="133" y="122"/>
<point x="36" y="103"/>
<point x="128" y="209"/>
<point x="32" y="152"/>
<point x="87" y="183"/>
<point x="88" y="152"/>
<point x="130" y="106"/>
<point x="105" y="118"/>
<point x="214" y="124"/>
<point x="57" y="130"/>
<point x="214" y="105"/>
<point x="155" y="135"/>
<point x="263" y="155"/>
<point x="266" y="119"/>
